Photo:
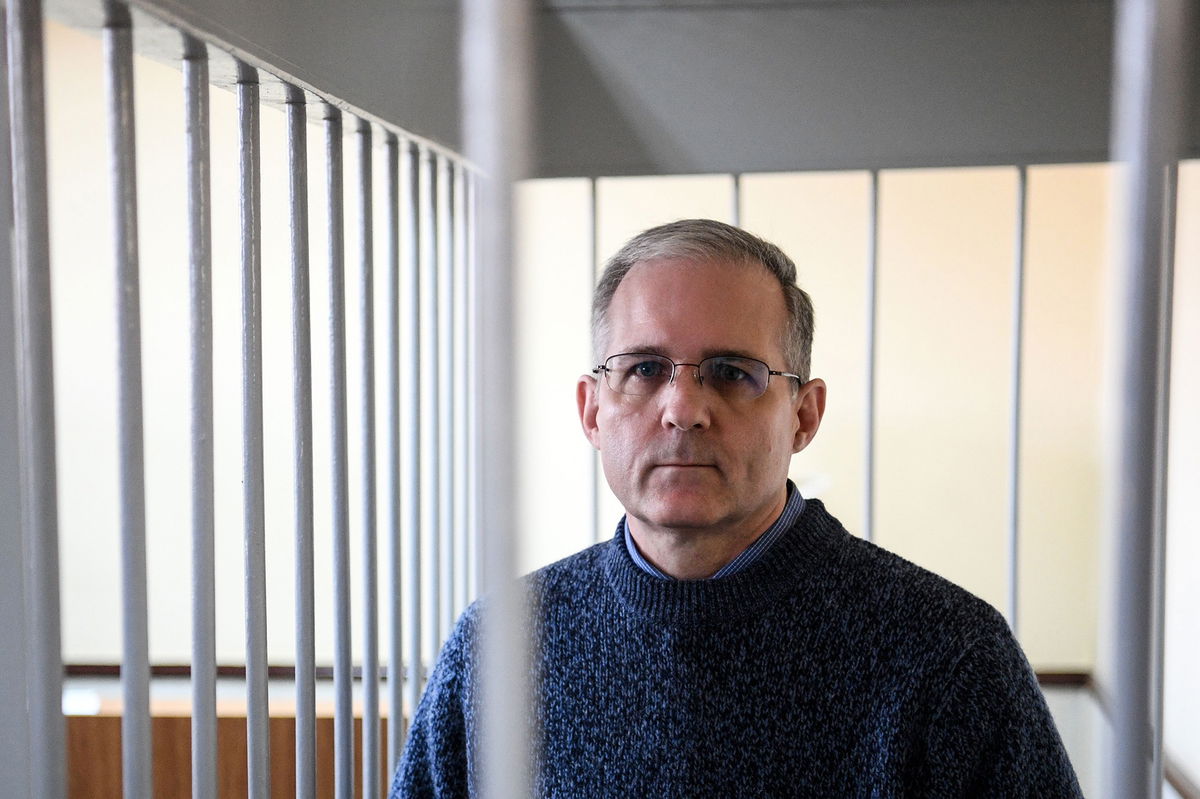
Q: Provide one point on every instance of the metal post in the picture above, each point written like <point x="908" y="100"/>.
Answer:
<point x="1014" y="450"/>
<point x="496" y="52"/>
<point x="343" y="718"/>
<point x="871" y="365"/>
<point x="430" y="405"/>
<point x="1147" y="115"/>
<point x="735" y="200"/>
<point x="258" y="759"/>
<point x="411" y="452"/>
<point x="370" y="550"/>
<point x="1161" y="448"/>
<point x="391" y="457"/>
<point x="306" y="692"/>
<point x="595" y="474"/>
<point x="459" y="394"/>
<point x="204" y="624"/>
<point x="35" y="401"/>
<point x="445" y="393"/>
<point x="136" y="769"/>
<point x="474" y="477"/>
<point x="15" y="755"/>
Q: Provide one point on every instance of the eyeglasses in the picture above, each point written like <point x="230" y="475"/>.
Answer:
<point x="733" y="377"/>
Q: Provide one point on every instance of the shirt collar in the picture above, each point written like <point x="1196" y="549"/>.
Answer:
<point x="791" y="511"/>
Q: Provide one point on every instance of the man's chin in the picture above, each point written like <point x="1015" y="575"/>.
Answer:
<point x="682" y="513"/>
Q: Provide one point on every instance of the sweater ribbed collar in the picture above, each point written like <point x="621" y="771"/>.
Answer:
<point x="803" y="548"/>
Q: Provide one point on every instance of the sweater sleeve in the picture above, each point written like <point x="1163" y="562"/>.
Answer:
<point x="436" y="759"/>
<point x="992" y="734"/>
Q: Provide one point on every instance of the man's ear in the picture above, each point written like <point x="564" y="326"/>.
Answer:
<point x="587" y="392"/>
<point x="810" y="407"/>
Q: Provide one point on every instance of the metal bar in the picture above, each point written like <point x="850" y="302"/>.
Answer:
<point x="430" y="406"/>
<point x="445" y="383"/>
<point x="410" y="443"/>
<point x="204" y="602"/>
<point x="595" y="474"/>
<point x="1161" y="451"/>
<point x="735" y="211"/>
<point x="496" y="49"/>
<point x="1014" y="451"/>
<point x="15" y="760"/>
<point x="1148" y="109"/>
<point x="35" y="411"/>
<point x="871" y="365"/>
<point x="258" y="759"/>
<point x="391" y="455"/>
<point x="370" y="547"/>
<point x="136" y="768"/>
<point x="306" y="691"/>
<point x="474" y="477"/>
<point x="343" y="677"/>
<point x="459" y="395"/>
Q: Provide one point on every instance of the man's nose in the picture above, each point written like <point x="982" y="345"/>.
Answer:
<point x="685" y="402"/>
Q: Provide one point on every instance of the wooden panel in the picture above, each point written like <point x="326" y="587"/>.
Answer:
<point x="94" y="757"/>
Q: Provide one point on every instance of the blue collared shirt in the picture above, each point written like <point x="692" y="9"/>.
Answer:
<point x="791" y="511"/>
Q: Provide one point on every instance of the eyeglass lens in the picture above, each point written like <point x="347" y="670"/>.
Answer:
<point x="732" y="377"/>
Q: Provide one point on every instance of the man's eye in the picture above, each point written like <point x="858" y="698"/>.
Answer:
<point x="728" y="373"/>
<point x="647" y="370"/>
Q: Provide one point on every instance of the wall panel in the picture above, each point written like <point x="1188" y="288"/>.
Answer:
<point x="945" y="277"/>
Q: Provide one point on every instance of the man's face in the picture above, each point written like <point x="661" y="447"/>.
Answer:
<point x="685" y="458"/>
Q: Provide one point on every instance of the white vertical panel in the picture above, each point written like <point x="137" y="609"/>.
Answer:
<point x="945" y="279"/>
<point x="1181" y="736"/>
<point x="1067" y="252"/>
<point x="552" y="296"/>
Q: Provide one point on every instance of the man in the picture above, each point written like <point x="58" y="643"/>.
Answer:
<point x="732" y="639"/>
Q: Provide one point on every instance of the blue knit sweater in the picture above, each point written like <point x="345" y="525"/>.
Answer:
<point x="828" y="668"/>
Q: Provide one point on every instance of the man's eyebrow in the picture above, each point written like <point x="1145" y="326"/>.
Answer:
<point x="722" y="352"/>
<point x="646" y="349"/>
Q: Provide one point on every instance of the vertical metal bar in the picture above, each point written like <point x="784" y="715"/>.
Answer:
<point x="459" y="395"/>
<point x="594" y="472"/>
<point x="1161" y="449"/>
<point x="735" y="210"/>
<point x="430" y="406"/>
<point x="370" y="548"/>
<point x="35" y="411"/>
<point x="306" y="691"/>
<point x="1170" y="190"/>
<point x="496" y="49"/>
<point x="343" y="714"/>
<point x="204" y="602"/>
<point x="475" y="528"/>
<point x="1147" y="115"/>
<point x="445" y="375"/>
<point x="391" y="456"/>
<point x="410" y="442"/>
<point x="872" y="367"/>
<point x="15" y="760"/>
<point x="258" y="759"/>
<point x="1014" y="451"/>
<point x="136" y="771"/>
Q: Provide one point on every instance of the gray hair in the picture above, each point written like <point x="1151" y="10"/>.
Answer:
<point x="707" y="240"/>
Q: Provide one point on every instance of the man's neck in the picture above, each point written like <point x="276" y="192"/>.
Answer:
<point x="698" y="553"/>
